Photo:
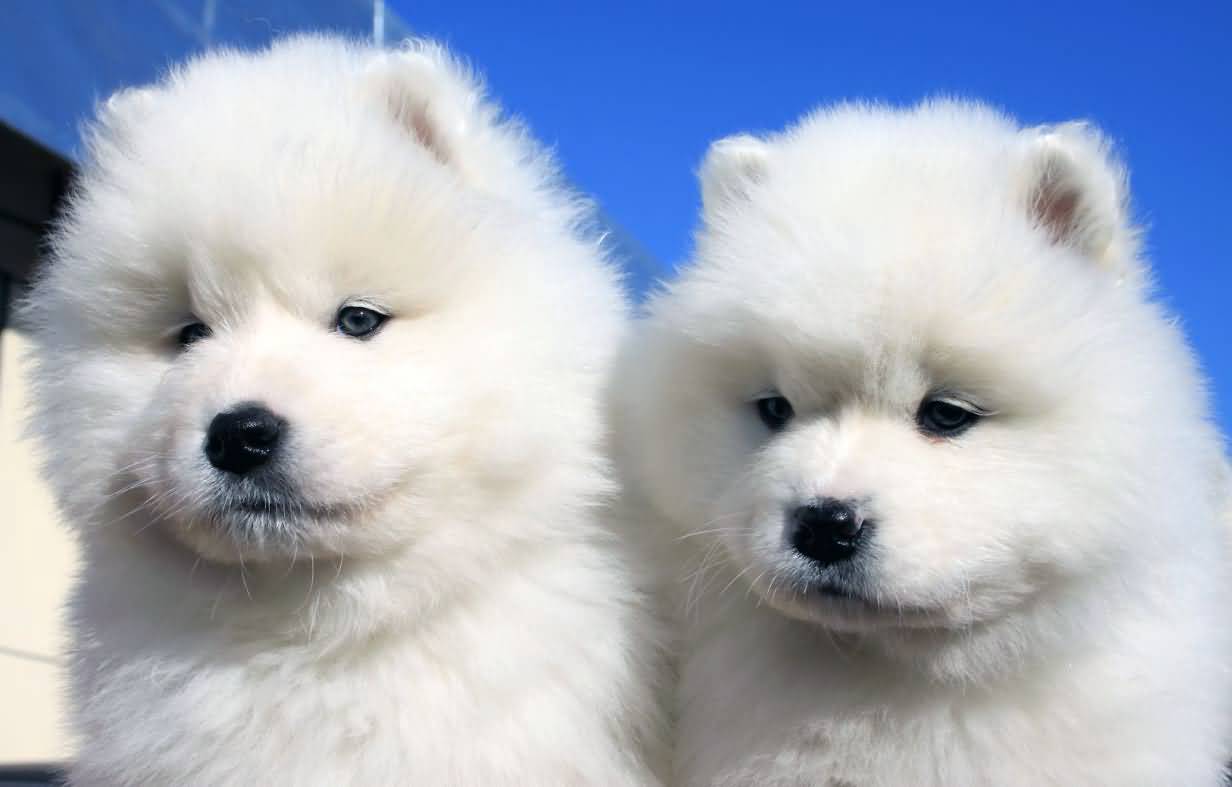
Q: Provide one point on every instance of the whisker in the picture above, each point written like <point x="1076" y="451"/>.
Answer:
<point x="706" y="526"/>
<point x="218" y="598"/>
<point x="734" y="579"/>
<point x="243" y="578"/>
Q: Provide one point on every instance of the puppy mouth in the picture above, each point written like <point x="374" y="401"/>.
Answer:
<point x="833" y="590"/>
<point x="221" y="518"/>
<point x="836" y="602"/>
<point x="842" y="596"/>
<point x="264" y="526"/>
<point x="270" y="497"/>
<point x="281" y="507"/>
<point x="875" y="612"/>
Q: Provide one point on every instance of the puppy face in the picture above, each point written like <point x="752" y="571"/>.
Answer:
<point x="901" y="386"/>
<point x="290" y="301"/>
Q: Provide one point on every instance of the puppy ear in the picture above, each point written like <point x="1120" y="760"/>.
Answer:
<point x="126" y="106"/>
<point x="1075" y="192"/>
<point x="732" y="165"/>
<point x="432" y="96"/>
<point x="441" y="105"/>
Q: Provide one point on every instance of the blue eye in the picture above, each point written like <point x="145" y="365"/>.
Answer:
<point x="193" y="332"/>
<point x="942" y="418"/>
<point x="775" y="412"/>
<point x="361" y="322"/>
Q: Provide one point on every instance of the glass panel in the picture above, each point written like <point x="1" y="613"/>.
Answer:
<point x="57" y="59"/>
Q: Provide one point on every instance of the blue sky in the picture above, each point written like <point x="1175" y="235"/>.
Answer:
<point x="630" y="94"/>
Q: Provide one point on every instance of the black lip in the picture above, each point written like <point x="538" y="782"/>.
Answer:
<point x="278" y="507"/>
<point x="832" y="590"/>
<point x="843" y="598"/>
<point x="265" y="506"/>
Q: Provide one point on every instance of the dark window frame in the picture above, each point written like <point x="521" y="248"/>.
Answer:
<point x="33" y="182"/>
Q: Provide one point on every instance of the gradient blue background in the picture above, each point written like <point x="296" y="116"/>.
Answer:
<point x="630" y="93"/>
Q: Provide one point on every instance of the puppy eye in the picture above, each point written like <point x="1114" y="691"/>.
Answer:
<point x="360" y="322"/>
<point x="193" y="332"/>
<point x="774" y="411"/>
<point x="945" y="417"/>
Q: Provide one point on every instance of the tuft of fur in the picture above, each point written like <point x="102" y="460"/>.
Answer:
<point x="1042" y="599"/>
<point x="440" y="602"/>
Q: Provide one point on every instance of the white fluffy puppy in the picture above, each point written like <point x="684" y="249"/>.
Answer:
<point x="941" y="471"/>
<point x="318" y="363"/>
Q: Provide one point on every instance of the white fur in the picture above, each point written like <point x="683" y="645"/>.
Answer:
<point x="454" y="612"/>
<point x="1043" y="599"/>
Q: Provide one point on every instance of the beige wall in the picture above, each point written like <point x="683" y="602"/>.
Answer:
<point x="36" y="561"/>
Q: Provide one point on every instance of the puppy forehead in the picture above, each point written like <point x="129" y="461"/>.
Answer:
<point x="879" y="330"/>
<point x="243" y="233"/>
<point x="950" y="286"/>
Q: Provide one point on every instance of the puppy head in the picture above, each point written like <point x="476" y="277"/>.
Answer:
<point x="911" y="380"/>
<point x="287" y="306"/>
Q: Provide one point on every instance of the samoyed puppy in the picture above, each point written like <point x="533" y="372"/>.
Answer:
<point x="319" y="353"/>
<point x="939" y="471"/>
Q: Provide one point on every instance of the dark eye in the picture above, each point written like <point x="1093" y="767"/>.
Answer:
<point x="943" y="418"/>
<point x="193" y="332"/>
<point x="359" y="321"/>
<point x="775" y="412"/>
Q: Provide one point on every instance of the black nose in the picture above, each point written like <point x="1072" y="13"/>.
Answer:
<point x="827" y="531"/>
<point x="242" y="439"/>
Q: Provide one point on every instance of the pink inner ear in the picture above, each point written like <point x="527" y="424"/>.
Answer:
<point x="423" y="130"/>
<point x="414" y="116"/>
<point x="1059" y="213"/>
<point x="1056" y="203"/>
